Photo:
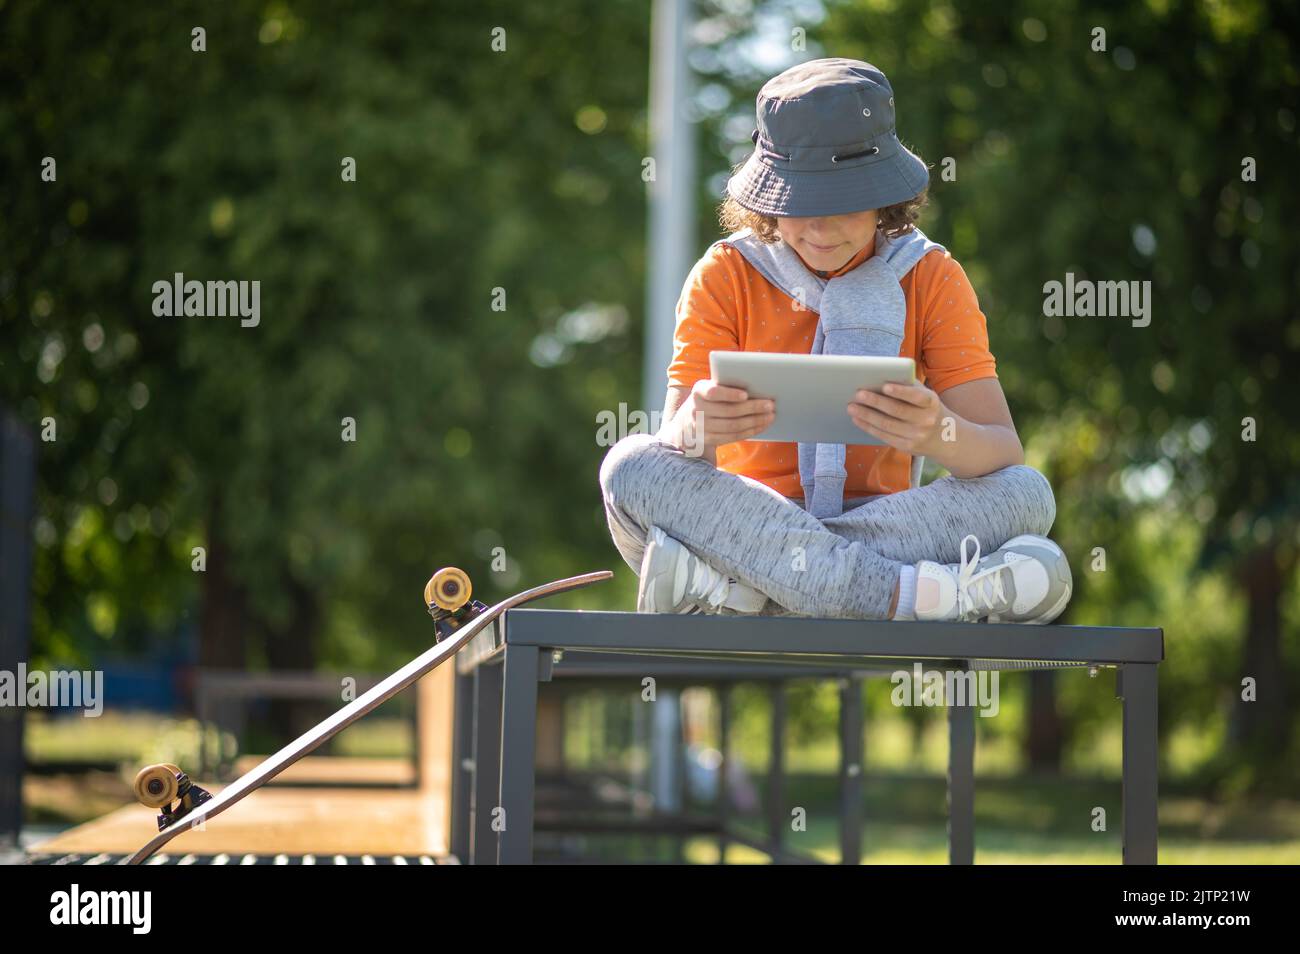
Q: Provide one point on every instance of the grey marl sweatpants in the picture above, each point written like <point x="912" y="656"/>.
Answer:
<point x="845" y="566"/>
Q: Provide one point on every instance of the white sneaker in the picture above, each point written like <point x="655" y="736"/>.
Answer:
<point x="1026" y="580"/>
<point x="675" y="580"/>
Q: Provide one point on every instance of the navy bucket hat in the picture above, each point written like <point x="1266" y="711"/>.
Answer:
<point x="826" y="144"/>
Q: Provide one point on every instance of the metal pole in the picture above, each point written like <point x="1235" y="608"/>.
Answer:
<point x="723" y="692"/>
<point x="778" y="818"/>
<point x="961" y="783"/>
<point x="851" y="767"/>
<point x="488" y="690"/>
<point x="671" y="194"/>
<point x="1136" y="685"/>
<point x="518" y="754"/>
<point x="462" y="764"/>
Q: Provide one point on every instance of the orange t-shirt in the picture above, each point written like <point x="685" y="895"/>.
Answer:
<point x="728" y="305"/>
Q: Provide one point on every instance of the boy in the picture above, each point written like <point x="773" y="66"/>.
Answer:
<point x="824" y="257"/>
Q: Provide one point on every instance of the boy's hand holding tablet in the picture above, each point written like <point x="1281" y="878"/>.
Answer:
<point x="714" y="414"/>
<point x="907" y="417"/>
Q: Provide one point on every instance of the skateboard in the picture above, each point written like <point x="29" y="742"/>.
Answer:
<point x="456" y="618"/>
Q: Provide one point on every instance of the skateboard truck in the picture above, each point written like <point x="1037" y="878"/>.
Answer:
<point x="165" y="786"/>
<point x="447" y="598"/>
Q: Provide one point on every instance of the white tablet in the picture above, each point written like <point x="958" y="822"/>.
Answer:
<point x="811" y="390"/>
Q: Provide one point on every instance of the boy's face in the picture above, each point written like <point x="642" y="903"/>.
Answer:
<point x="827" y="242"/>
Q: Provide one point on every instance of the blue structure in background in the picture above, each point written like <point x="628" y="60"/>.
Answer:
<point x="163" y="683"/>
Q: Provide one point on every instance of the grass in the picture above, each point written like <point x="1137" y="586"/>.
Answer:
<point x="1018" y="820"/>
<point x="138" y="738"/>
<point x="885" y="844"/>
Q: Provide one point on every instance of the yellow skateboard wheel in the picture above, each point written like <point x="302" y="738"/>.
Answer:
<point x="156" y="785"/>
<point x="448" y="589"/>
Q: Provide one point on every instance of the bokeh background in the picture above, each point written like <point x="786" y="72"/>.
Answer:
<point x="477" y="427"/>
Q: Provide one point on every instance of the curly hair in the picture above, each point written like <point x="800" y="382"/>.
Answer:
<point x="895" y="220"/>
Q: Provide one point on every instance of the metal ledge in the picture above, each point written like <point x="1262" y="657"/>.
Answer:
<point x="800" y="638"/>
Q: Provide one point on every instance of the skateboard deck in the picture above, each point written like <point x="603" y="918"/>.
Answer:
<point x="458" y="620"/>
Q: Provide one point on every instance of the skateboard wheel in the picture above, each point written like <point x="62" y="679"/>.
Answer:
<point x="448" y="589"/>
<point x="156" y="785"/>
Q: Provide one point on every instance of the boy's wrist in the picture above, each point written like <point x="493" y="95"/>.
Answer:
<point x="676" y="432"/>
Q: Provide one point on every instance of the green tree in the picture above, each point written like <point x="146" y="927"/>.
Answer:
<point x="478" y="168"/>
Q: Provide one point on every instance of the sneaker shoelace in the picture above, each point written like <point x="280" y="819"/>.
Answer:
<point x="976" y="588"/>
<point x="710" y="584"/>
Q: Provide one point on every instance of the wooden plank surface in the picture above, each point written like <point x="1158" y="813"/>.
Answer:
<point x="281" y="819"/>
<point x="338" y="770"/>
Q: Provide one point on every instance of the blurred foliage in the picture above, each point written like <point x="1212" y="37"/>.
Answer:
<point x="476" y="170"/>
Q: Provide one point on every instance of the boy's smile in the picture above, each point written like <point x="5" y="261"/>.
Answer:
<point x="827" y="242"/>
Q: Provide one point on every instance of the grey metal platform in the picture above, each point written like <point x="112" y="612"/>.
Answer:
<point x="499" y="672"/>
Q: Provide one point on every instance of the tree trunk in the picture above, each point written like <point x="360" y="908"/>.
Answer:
<point x="224" y="618"/>
<point x="293" y="649"/>
<point x="1045" y="739"/>
<point x="1262" y="726"/>
<point x="228" y="627"/>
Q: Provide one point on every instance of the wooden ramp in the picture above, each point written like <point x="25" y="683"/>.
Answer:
<point x="378" y="810"/>
<point x="283" y="818"/>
